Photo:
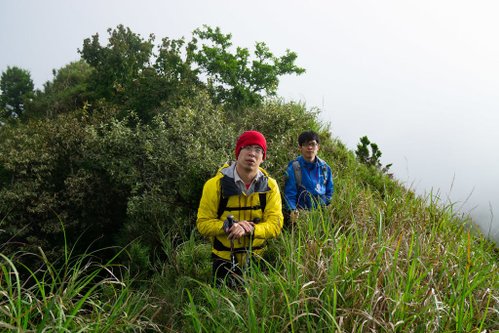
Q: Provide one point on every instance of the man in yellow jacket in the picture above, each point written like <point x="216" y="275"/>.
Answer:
<point x="240" y="208"/>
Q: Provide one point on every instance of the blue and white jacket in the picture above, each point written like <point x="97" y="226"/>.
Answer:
<point x="316" y="188"/>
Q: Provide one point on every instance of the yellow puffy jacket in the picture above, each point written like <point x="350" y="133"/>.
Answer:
<point x="243" y="207"/>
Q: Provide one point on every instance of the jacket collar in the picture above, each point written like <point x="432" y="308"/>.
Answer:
<point x="229" y="177"/>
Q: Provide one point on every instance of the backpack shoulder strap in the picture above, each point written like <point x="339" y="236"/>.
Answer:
<point x="324" y="170"/>
<point x="297" y="170"/>
<point x="222" y="204"/>
<point x="263" y="200"/>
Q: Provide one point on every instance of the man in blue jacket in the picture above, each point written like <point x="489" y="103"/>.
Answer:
<point x="309" y="181"/>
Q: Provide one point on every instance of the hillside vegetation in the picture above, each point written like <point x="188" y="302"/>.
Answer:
<point x="100" y="177"/>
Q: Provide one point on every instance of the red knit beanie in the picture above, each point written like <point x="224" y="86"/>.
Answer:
<point x="249" y="138"/>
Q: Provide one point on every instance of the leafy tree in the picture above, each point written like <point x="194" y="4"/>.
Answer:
<point x="68" y="91"/>
<point x="120" y="66"/>
<point x="128" y="74"/>
<point x="16" y="86"/>
<point x="236" y="78"/>
<point x="369" y="154"/>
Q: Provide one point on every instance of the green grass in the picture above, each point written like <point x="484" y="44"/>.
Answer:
<point x="374" y="261"/>
<point x="78" y="294"/>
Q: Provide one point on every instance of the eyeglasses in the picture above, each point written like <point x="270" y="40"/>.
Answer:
<point x="257" y="149"/>
<point x="312" y="144"/>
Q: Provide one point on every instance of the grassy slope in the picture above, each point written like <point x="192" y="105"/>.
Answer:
<point x="378" y="259"/>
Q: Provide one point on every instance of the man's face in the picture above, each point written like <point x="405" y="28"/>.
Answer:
<point x="309" y="150"/>
<point x="250" y="157"/>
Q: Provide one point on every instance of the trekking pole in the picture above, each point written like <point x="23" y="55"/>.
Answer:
<point x="249" y="250"/>
<point x="230" y="223"/>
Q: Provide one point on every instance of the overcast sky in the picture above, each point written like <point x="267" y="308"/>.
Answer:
<point x="420" y="78"/>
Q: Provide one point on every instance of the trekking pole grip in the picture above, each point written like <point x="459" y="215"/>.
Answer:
<point x="228" y="223"/>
